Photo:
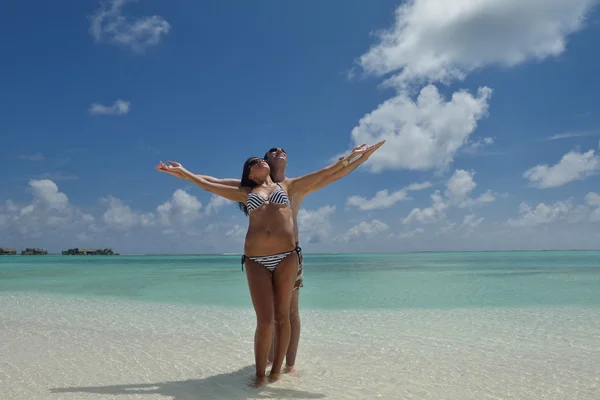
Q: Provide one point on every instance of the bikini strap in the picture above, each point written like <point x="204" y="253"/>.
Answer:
<point x="243" y="260"/>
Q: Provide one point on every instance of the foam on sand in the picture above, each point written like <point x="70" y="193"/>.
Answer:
<point x="73" y="348"/>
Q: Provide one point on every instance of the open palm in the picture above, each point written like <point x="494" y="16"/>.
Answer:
<point x="172" y="168"/>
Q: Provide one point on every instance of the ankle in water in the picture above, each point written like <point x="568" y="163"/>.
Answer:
<point x="274" y="377"/>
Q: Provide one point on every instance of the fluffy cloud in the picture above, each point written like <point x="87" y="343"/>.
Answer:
<point x="442" y="41"/>
<point x="109" y="25"/>
<point x="365" y="229"/>
<point x="183" y="209"/>
<point x="593" y="200"/>
<point x="429" y="215"/>
<point x="459" y="187"/>
<point x="424" y="134"/>
<point x="314" y="225"/>
<point x="50" y="220"/>
<point x="470" y="223"/>
<point x="541" y="214"/>
<point x="49" y="213"/>
<point x="384" y="199"/>
<point x="572" y="166"/>
<point x="457" y="194"/>
<point x="216" y="203"/>
<point x="119" y="107"/>
<point x="120" y="216"/>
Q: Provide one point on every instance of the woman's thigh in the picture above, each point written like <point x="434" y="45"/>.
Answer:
<point x="260" y="283"/>
<point x="284" y="277"/>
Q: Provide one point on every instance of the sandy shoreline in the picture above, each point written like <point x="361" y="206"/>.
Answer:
<point x="71" y="348"/>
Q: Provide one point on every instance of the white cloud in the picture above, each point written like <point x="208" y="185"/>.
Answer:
<point x="541" y="214"/>
<point x="183" y="209"/>
<point x="383" y="199"/>
<point x="236" y="232"/>
<point x="470" y="223"/>
<point x="457" y="194"/>
<point x="314" y="225"/>
<point x="216" y="203"/>
<point x="474" y="146"/>
<point x="32" y="157"/>
<point x="428" y="215"/>
<point x="119" y="215"/>
<point x="46" y="192"/>
<point x="572" y="166"/>
<point x="119" y="107"/>
<point x="109" y="25"/>
<point x="424" y="134"/>
<point x="180" y="211"/>
<point x="442" y="41"/>
<point x="593" y="199"/>
<point x="569" y="135"/>
<point x="407" y="233"/>
<point x="365" y="229"/>
<point x="459" y="187"/>
<point x="49" y="213"/>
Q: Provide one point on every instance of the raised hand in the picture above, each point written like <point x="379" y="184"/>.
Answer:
<point x="357" y="152"/>
<point x="174" y="168"/>
<point x="372" y="149"/>
<point x="364" y="151"/>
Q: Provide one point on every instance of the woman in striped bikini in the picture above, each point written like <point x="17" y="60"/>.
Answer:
<point x="271" y="255"/>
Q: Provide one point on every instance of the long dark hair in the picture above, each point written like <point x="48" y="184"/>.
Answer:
<point x="246" y="181"/>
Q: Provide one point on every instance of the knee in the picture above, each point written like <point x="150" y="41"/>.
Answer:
<point x="282" y="317"/>
<point x="264" y="323"/>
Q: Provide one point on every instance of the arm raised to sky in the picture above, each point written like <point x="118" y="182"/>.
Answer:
<point x="329" y="175"/>
<point x="301" y="185"/>
<point x="210" y="184"/>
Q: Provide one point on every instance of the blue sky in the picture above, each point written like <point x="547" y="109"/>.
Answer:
<point x="489" y="107"/>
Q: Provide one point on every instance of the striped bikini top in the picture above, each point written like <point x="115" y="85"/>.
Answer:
<point x="278" y="196"/>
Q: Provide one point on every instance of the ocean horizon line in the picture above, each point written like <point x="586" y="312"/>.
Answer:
<point x="370" y="252"/>
<point x="228" y="254"/>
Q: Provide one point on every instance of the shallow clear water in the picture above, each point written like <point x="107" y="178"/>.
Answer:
<point x="341" y="281"/>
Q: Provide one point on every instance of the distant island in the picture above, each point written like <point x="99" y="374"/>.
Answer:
<point x="89" y="252"/>
<point x="34" y="252"/>
<point x="30" y="251"/>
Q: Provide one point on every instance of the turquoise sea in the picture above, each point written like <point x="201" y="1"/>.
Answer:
<point x="332" y="281"/>
<point x="427" y="326"/>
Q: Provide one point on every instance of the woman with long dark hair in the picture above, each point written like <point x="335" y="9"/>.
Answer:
<point x="270" y="255"/>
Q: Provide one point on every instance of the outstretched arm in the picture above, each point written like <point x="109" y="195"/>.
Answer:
<point x="229" y="192"/>
<point x="222" y="181"/>
<point x="208" y="178"/>
<point x="300" y="185"/>
<point x="337" y="175"/>
<point x="319" y="179"/>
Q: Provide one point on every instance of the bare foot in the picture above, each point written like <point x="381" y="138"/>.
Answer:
<point x="257" y="381"/>
<point x="289" y="369"/>
<point x="274" y="377"/>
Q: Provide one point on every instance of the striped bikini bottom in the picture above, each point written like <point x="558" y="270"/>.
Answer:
<point x="271" y="262"/>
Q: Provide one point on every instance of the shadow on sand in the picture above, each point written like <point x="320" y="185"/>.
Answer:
<point x="223" y="386"/>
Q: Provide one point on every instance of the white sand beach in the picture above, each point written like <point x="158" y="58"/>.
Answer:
<point x="72" y="348"/>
